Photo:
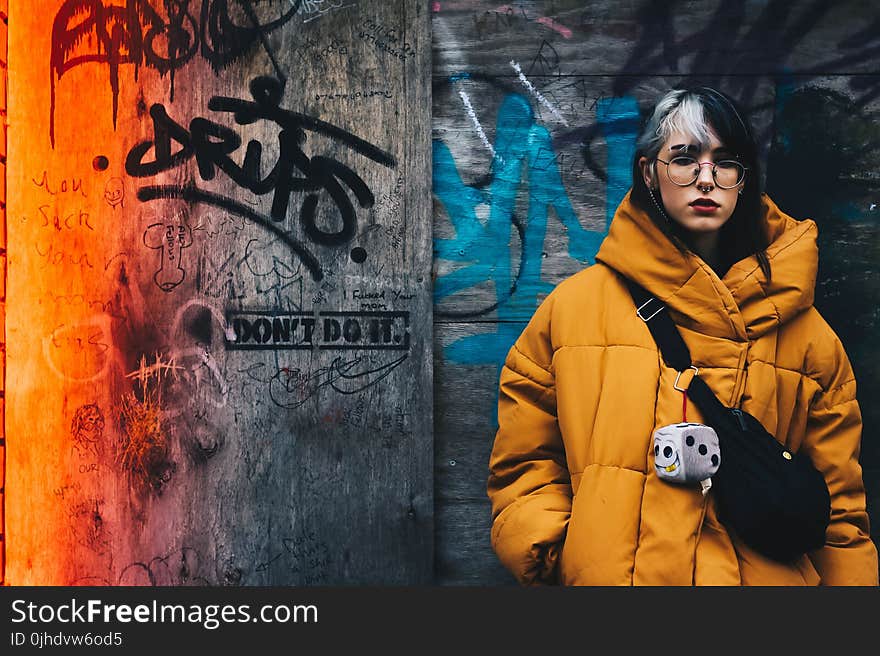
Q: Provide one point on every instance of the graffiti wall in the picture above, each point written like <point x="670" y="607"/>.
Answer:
<point x="219" y="326"/>
<point x="536" y="107"/>
<point x="230" y="355"/>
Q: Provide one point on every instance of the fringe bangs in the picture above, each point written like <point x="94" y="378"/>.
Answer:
<point x="688" y="117"/>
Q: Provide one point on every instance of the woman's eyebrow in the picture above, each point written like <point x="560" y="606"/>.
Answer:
<point x="723" y="150"/>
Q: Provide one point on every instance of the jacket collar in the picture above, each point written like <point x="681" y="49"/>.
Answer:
<point x="743" y="304"/>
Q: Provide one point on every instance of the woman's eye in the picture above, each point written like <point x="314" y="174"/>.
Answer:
<point x="727" y="164"/>
<point x="684" y="161"/>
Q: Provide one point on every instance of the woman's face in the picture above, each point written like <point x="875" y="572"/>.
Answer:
<point x="702" y="206"/>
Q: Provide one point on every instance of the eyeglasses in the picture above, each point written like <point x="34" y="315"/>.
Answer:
<point x="684" y="171"/>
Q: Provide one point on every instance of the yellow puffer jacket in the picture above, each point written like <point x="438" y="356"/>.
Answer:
<point x="575" y="498"/>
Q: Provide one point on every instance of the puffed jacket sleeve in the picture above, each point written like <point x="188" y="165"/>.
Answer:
<point x="529" y="484"/>
<point x="833" y="441"/>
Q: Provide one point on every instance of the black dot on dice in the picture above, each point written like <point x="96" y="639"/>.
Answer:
<point x="702" y="449"/>
<point x="689" y="440"/>
<point x="358" y="254"/>
<point x="714" y="460"/>
<point x="100" y="163"/>
<point x="667" y="451"/>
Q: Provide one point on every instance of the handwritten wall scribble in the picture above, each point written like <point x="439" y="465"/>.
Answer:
<point x="171" y="238"/>
<point x="114" y="192"/>
<point x="87" y="429"/>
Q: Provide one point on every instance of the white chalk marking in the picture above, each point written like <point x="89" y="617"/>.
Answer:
<point x="473" y="116"/>
<point x="537" y="94"/>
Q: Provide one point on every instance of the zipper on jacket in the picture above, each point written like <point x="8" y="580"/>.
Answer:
<point x="742" y="373"/>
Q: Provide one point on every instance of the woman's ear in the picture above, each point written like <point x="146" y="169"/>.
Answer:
<point x="647" y="172"/>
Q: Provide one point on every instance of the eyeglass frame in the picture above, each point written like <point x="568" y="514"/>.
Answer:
<point x="701" y="164"/>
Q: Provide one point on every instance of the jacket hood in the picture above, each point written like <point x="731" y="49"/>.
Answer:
<point x="743" y="304"/>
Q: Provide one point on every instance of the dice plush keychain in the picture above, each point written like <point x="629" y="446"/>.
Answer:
<point x="687" y="452"/>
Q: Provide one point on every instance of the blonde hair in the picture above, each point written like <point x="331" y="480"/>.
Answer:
<point x="677" y="111"/>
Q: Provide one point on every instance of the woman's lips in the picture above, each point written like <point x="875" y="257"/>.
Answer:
<point x="705" y="205"/>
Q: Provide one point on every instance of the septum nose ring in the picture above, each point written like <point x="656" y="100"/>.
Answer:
<point x="705" y="187"/>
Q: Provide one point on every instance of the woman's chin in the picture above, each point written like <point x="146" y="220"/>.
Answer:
<point x="701" y="224"/>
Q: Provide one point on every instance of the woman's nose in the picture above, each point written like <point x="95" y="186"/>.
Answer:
<point x="705" y="177"/>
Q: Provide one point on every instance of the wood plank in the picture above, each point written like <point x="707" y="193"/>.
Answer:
<point x="639" y="40"/>
<point x="229" y="372"/>
<point x="464" y="554"/>
<point x="465" y="400"/>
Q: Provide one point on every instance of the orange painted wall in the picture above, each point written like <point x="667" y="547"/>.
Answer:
<point x="4" y="11"/>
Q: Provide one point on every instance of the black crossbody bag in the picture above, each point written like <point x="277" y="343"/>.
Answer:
<point x="776" y="501"/>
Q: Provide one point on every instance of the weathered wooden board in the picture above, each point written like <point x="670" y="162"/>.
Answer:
<point x="647" y="38"/>
<point x="220" y="312"/>
<point x="464" y="434"/>
<point x="536" y="106"/>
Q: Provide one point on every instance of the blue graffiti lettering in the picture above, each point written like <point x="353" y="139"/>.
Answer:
<point x="523" y="153"/>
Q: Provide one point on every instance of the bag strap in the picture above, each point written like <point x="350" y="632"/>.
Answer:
<point x="674" y="351"/>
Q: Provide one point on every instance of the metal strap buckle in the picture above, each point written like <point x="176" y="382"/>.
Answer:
<point x="675" y="384"/>
<point x="639" y="311"/>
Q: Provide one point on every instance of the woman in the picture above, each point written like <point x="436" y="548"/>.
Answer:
<point x="574" y="491"/>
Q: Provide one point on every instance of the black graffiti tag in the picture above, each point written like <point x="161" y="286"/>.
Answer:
<point x="764" y="47"/>
<point x="212" y="144"/>
<point x="159" y="34"/>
